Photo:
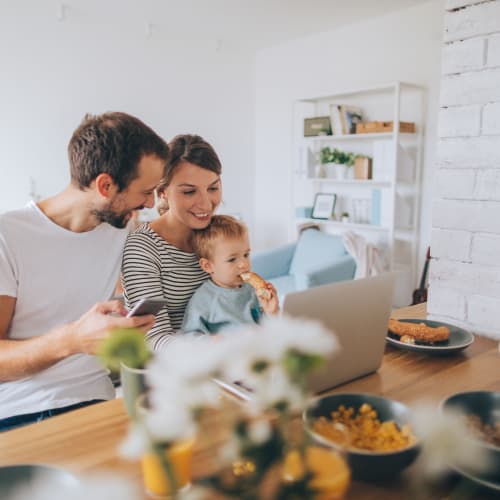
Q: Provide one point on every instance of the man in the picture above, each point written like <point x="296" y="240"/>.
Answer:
<point x="61" y="256"/>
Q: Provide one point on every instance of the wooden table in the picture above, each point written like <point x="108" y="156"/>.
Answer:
<point x="87" y="439"/>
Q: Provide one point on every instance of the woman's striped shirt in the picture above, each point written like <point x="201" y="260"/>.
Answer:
<point x="154" y="268"/>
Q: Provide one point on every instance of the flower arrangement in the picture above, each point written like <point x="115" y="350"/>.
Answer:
<point x="274" y="358"/>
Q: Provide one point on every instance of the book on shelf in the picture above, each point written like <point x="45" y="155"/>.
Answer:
<point x="344" y="118"/>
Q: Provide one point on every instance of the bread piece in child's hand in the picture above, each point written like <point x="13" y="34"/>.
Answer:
<point x="258" y="283"/>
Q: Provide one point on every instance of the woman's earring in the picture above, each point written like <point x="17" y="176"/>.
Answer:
<point x="162" y="205"/>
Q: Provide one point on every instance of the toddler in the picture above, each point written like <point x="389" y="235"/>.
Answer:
<point x="225" y="299"/>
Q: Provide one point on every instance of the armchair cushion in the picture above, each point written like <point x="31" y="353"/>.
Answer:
<point x="284" y="284"/>
<point x="341" y="270"/>
<point x="315" y="250"/>
<point x="273" y="263"/>
<point x="316" y="259"/>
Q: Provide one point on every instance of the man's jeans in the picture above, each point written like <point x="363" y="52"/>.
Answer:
<point x="9" y="423"/>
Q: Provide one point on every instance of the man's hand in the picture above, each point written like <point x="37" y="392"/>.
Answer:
<point x="86" y="334"/>
<point x="271" y="305"/>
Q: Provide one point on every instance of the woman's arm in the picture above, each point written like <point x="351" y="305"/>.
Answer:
<point x="141" y="277"/>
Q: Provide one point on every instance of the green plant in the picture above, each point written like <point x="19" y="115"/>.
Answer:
<point x="335" y="155"/>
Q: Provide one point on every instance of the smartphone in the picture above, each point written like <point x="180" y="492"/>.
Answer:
<point x="147" y="306"/>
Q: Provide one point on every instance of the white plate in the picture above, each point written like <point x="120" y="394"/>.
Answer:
<point x="459" y="339"/>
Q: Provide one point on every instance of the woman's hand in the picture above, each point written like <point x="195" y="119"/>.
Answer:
<point x="270" y="305"/>
<point x="86" y="334"/>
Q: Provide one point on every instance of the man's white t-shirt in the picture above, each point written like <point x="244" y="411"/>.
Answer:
<point x="56" y="275"/>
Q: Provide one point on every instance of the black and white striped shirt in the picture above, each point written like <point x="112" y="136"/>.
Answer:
<point x="154" y="268"/>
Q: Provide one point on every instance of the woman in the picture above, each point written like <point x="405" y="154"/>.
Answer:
<point x="158" y="261"/>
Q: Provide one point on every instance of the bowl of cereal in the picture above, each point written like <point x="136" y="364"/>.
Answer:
<point x="481" y="413"/>
<point x="373" y="432"/>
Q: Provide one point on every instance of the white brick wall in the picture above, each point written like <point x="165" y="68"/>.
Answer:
<point x="477" y="87"/>
<point x="466" y="215"/>
<point x="452" y="245"/>
<point x="464" y="55"/>
<point x="481" y="19"/>
<point x="491" y="118"/>
<point x="455" y="184"/>
<point x="460" y="121"/>
<point x="456" y="4"/>
<point x="446" y="302"/>
<point x="487" y="185"/>
<point x="464" y="277"/>
<point x="493" y="58"/>
<point x="486" y="249"/>
<point x="483" y="312"/>
<point x="470" y="152"/>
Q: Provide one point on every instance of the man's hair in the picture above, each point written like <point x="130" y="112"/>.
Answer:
<point x="114" y="144"/>
<point x="221" y="226"/>
<point x="187" y="148"/>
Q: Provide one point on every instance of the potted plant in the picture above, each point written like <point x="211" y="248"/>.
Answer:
<point x="336" y="163"/>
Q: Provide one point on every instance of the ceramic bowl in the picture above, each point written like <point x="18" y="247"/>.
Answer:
<point x="486" y="405"/>
<point x="366" y="465"/>
<point x="16" y="477"/>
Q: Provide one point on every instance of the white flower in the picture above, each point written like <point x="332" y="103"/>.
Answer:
<point x="136" y="443"/>
<point x="446" y="441"/>
<point x="306" y="336"/>
<point x="186" y="358"/>
<point x="195" y="493"/>
<point x="170" y="423"/>
<point x="275" y="388"/>
<point x="95" y="487"/>
<point x="230" y="451"/>
<point x="259" y="431"/>
<point x="271" y="341"/>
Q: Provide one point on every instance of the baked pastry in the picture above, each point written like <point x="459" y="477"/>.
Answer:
<point x="258" y="284"/>
<point x="409" y="333"/>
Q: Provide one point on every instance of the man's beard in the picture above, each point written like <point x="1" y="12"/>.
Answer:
<point x="119" y="220"/>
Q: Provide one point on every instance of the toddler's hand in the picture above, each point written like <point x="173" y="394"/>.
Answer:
<point x="271" y="305"/>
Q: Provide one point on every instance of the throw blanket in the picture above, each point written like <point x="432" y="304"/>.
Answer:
<point x="367" y="255"/>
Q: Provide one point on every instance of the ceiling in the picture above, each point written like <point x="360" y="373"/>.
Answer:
<point x="252" y="24"/>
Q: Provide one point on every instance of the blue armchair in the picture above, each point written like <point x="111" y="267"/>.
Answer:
<point x="315" y="259"/>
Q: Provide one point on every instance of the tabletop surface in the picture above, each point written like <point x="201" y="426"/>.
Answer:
<point x="87" y="439"/>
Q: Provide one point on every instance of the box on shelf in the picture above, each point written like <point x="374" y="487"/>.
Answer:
<point x="319" y="125"/>
<point x="374" y="127"/>
<point x="363" y="168"/>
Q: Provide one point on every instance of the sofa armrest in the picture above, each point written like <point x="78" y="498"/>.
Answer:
<point x="340" y="270"/>
<point x="273" y="263"/>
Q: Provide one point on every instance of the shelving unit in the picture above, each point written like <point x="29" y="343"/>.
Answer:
<point x="394" y="193"/>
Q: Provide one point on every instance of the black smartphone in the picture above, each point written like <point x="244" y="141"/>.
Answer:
<point x="147" y="306"/>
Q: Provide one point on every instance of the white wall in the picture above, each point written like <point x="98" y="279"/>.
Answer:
<point x="53" y="72"/>
<point x="465" y="270"/>
<point x="404" y="45"/>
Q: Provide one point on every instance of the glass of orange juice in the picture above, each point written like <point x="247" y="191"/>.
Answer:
<point x="156" y="481"/>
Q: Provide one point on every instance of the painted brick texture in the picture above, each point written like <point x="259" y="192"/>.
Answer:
<point x="464" y="277"/>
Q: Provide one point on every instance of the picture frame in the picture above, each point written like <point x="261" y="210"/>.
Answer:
<point x="324" y="205"/>
<point x="319" y="125"/>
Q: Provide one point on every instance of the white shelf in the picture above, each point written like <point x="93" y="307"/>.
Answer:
<point x="370" y="183"/>
<point x="394" y="196"/>
<point x="350" y="137"/>
<point x="389" y="87"/>
<point x="345" y="225"/>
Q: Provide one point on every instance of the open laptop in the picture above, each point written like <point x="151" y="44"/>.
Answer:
<point x="357" y="312"/>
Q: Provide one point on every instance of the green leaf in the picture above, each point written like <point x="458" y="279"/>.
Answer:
<point x="124" y="345"/>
